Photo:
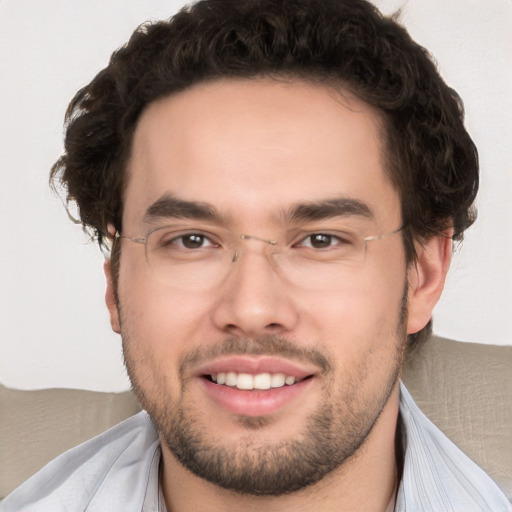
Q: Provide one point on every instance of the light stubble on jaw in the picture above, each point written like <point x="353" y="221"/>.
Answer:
<point x="258" y="468"/>
<point x="330" y="439"/>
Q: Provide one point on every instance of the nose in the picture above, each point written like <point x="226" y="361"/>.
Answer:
<point x="254" y="300"/>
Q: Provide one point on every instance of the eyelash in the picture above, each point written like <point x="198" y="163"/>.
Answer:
<point x="331" y="241"/>
<point x="330" y="236"/>
<point x="173" y="241"/>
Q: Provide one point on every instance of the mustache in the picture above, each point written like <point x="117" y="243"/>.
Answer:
<point x="264" y="345"/>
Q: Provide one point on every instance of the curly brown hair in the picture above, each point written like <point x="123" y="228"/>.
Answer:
<point x="431" y="159"/>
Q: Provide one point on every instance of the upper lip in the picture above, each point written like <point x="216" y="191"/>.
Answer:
<point x="254" y="365"/>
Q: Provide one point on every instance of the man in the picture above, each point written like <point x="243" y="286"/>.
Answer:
<point x="279" y="183"/>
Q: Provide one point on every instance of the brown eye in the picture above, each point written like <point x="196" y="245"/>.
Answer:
<point x="320" y="241"/>
<point x="192" y="241"/>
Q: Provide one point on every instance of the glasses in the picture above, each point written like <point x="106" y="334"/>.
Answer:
<point x="185" y="256"/>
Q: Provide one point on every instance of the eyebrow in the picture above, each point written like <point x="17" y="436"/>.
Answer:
<point x="329" y="208"/>
<point x="169" y="206"/>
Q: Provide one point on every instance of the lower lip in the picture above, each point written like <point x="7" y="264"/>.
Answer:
<point x="255" y="402"/>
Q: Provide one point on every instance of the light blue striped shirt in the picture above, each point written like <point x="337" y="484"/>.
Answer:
<point x="118" y="471"/>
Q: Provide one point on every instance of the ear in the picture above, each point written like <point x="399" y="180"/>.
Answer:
<point x="110" y="298"/>
<point x="426" y="279"/>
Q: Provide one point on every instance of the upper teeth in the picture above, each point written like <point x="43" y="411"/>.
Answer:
<point x="247" y="381"/>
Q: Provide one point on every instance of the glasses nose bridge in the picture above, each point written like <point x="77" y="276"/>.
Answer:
<point x="244" y="237"/>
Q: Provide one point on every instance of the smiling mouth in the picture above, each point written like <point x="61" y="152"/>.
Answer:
<point x="249" y="382"/>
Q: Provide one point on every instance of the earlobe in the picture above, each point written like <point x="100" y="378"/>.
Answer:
<point x="110" y="298"/>
<point x="426" y="279"/>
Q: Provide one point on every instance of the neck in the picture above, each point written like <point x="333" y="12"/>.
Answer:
<point x="366" y="481"/>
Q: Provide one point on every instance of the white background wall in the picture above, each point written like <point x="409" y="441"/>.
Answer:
<point x="54" y="329"/>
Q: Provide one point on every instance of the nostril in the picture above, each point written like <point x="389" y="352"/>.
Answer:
<point x="233" y="330"/>
<point x="273" y="327"/>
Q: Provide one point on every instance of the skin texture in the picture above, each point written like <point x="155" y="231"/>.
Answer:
<point x="253" y="149"/>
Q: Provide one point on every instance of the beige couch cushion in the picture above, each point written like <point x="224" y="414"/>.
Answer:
<point x="466" y="389"/>
<point x="36" y="426"/>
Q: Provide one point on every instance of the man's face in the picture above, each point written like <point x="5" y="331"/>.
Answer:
<point x="282" y="162"/>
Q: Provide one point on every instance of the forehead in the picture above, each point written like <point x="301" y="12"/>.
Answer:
<point x="253" y="147"/>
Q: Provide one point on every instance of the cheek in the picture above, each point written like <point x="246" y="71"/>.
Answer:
<point x="166" y="320"/>
<point x="151" y="304"/>
<point x="358" y="314"/>
<point x="157" y="323"/>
